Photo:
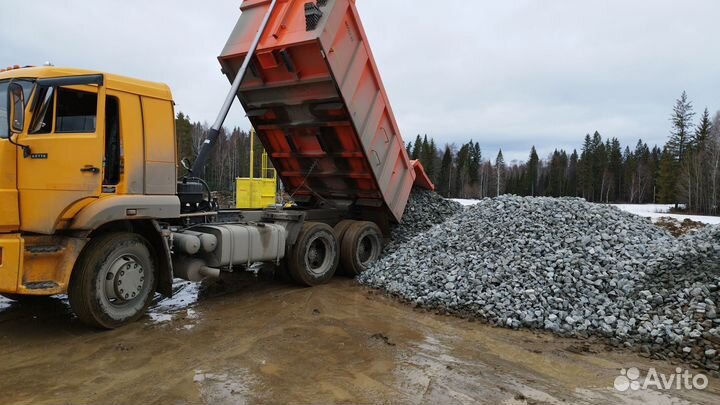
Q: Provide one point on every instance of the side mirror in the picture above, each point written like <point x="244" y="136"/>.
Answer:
<point x="185" y="162"/>
<point x="16" y="107"/>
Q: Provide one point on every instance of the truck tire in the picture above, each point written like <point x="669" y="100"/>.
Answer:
<point x="361" y="246"/>
<point x="341" y="228"/>
<point x="314" y="257"/>
<point x="114" y="280"/>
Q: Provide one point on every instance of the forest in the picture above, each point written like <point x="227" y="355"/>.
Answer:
<point x="684" y="171"/>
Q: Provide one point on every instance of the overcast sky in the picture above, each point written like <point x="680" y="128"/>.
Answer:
<point x="509" y="74"/>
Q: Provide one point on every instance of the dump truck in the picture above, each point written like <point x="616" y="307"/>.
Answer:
<point x="94" y="203"/>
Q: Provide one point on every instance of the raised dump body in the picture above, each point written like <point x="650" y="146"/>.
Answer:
<point x="314" y="94"/>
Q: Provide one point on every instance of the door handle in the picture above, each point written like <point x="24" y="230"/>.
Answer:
<point x="90" y="169"/>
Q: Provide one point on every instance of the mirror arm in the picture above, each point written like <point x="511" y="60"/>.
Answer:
<point x="26" y="149"/>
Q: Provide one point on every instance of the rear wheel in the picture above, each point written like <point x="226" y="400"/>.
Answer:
<point x="314" y="258"/>
<point x="360" y="247"/>
<point x="341" y="228"/>
<point x="114" y="280"/>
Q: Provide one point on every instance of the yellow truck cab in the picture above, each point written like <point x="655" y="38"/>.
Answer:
<point x="88" y="151"/>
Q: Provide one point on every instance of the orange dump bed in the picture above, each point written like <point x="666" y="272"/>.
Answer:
<point x="315" y="97"/>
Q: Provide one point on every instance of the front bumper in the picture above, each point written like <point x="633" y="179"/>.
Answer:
<point x="11" y="246"/>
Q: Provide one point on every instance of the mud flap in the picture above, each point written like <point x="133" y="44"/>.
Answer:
<point x="161" y="242"/>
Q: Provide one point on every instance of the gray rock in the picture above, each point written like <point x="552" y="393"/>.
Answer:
<point x="564" y="265"/>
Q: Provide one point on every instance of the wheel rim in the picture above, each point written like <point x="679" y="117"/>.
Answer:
<point x="368" y="250"/>
<point x="124" y="280"/>
<point x="317" y="257"/>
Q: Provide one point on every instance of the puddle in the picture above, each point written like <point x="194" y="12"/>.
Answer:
<point x="247" y="340"/>
<point x="235" y="386"/>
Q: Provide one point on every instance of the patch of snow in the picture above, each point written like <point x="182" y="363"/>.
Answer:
<point x="465" y="202"/>
<point x="5" y="303"/>
<point x="652" y="211"/>
<point x="185" y="294"/>
<point x="657" y="211"/>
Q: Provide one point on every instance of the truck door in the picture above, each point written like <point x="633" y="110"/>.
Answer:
<point x="64" y="169"/>
<point x="9" y="214"/>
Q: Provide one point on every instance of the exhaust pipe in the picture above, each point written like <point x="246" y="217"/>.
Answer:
<point x="193" y="269"/>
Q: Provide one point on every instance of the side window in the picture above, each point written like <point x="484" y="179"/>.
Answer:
<point x="4" y="130"/>
<point x="43" y="110"/>
<point x="113" y="154"/>
<point x="76" y="111"/>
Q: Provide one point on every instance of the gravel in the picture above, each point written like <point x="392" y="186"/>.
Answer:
<point x="563" y="265"/>
<point x="424" y="209"/>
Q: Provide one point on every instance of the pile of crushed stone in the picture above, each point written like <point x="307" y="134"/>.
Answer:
<point x="563" y="265"/>
<point x="424" y="210"/>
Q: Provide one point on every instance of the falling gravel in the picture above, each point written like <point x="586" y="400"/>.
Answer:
<point x="424" y="210"/>
<point x="564" y="265"/>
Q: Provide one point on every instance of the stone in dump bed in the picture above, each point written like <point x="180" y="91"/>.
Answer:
<point x="567" y="266"/>
<point x="424" y="209"/>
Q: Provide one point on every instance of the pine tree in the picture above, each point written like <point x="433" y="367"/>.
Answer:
<point x="615" y="167"/>
<point x="572" y="175"/>
<point x="428" y="157"/>
<point x="713" y="165"/>
<point x="556" y="177"/>
<point x="424" y="151"/>
<point x="500" y="174"/>
<point x="183" y="131"/>
<point x="702" y="132"/>
<point x="630" y="187"/>
<point x="474" y="163"/>
<point x="585" y="179"/>
<point x="667" y="178"/>
<point x="680" y="136"/>
<point x="533" y="172"/>
<point x="680" y="142"/>
<point x="445" y="176"/>
<point x="599" y="167"/>
<point x="417" y="148"/>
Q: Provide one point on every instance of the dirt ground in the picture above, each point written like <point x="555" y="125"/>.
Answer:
<point x="250" y="340"/>
<point x="678" y="228"/>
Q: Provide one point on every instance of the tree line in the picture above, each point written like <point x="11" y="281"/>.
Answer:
<point x="685" y="171"/>
<point x="230" y="159"/>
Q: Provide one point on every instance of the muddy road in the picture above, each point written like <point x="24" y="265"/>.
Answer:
<point x="249" y="340"/>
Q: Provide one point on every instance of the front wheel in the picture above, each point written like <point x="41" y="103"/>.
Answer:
<point x="113" y="281"/>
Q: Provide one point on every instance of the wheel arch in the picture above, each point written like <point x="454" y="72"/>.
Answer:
<point x="159" y="242"/>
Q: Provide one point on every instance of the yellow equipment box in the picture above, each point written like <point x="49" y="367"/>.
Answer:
<point x="256" y="193"/>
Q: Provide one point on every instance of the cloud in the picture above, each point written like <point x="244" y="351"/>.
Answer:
<point x="507" y="74"/>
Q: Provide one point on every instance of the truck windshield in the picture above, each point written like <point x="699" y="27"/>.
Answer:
<point x="27" y="89"/>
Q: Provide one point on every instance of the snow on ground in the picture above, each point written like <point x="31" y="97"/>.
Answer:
<point x="653" y="211"/>
<point x="657" y="211"/>
<point x="466" y="203"/>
